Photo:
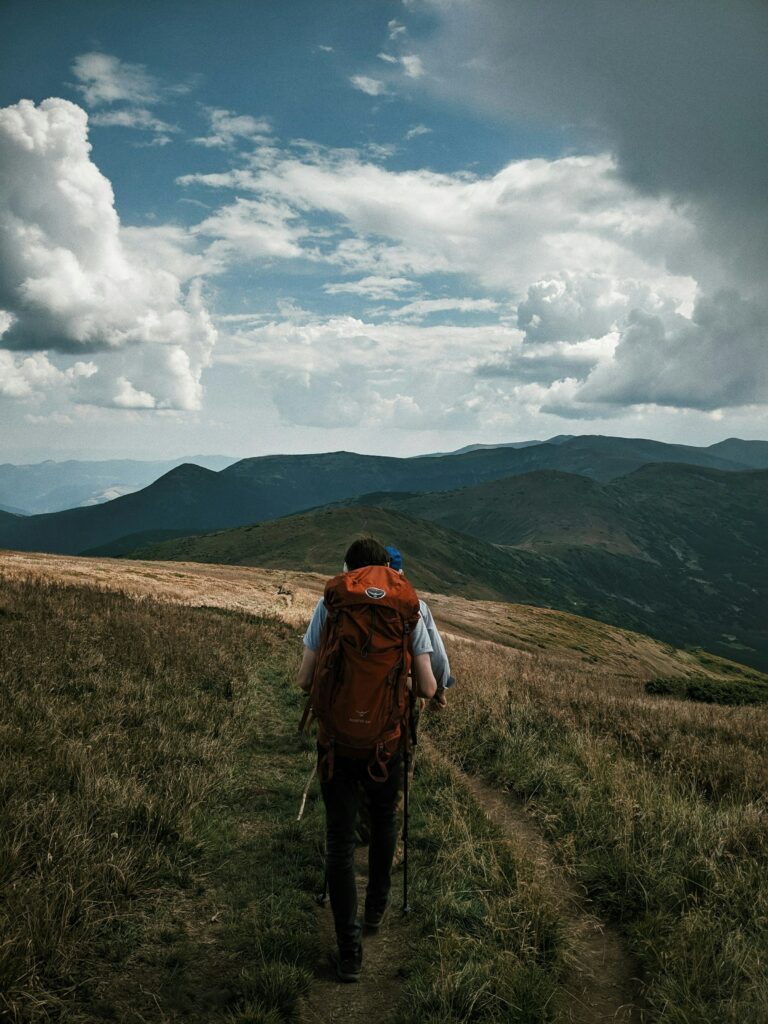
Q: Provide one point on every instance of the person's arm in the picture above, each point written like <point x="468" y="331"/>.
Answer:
<point x="312" y="639"/>
<point x="423" y="677"/>
<point x="439" y="657"/>
<point x="306" y="670"/>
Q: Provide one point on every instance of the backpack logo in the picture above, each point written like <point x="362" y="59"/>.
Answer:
<point x="376" y="593"/>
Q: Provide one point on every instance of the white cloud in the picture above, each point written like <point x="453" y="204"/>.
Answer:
<point x="21" y="378"/>
<point x="395" y="29"/>
<point x="394" y="374"/>
<point x="34" y="375"/>
<point x="73" y="280"/>
<point x="412" y="65"/>
<point x="424" y="307"/>
<point x="534" y="218"/>
<point x="574" y="307"/>
<point x="226" y="127"/>
<point x="668" y="359"/>
<point x="106" y="79"/>
<point x="370" y="86"/>
<point x="566" y="242"/>
<point x="418" y="129"/>
<point x="378" y="288"/>
<point x="133" y="117"/>
<point x="250" y="229"/>
<point x="387" y="58"/>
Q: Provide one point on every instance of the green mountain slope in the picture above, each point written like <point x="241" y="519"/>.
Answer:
<point x="674" y="551"/>
<point x="438" y="559"/>
<point x="190" y="499"/>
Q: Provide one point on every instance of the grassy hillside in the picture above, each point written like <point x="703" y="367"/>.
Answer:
<point x="151" y="864"/>
<point x="544" y="511"/>
<point x="437" y="559"/>
<point x="675" y="551"/>
<point x="656" y="806"/>
<point x="152" y="868"/>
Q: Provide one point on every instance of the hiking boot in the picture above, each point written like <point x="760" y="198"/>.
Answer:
<point x="349" y="965"/>
<point x="374" y="916"/>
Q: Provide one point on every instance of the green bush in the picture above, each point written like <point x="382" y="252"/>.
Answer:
<point x="711" y="691"/>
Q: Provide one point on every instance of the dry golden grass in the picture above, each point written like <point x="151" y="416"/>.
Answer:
<point x="658" y="807"/>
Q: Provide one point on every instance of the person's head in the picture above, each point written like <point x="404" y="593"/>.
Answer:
<point x="395" y="558"/>
<point x="365" y="551"/>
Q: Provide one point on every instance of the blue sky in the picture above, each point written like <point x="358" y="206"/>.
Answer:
<point x="388" y="227"/>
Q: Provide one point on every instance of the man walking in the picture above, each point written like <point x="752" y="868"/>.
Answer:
<point x="365" y="637"/>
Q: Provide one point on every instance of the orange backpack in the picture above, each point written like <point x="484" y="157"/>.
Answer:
<point x="359" y="691"/>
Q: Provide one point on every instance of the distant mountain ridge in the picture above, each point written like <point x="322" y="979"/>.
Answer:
<point x="51" y="486"/>
<point x="192" y="499"/>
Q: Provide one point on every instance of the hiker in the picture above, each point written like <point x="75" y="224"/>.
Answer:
<point x="382" y="618"/>
<point x="441" y="668"/>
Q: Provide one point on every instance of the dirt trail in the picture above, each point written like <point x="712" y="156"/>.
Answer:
<point x="602" y="987"/>
<point x="369" y="1000"/>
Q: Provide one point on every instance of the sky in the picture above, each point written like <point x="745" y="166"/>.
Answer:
<point x="387" y="226"/>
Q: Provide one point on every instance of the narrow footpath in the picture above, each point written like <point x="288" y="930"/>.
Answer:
<point x="602" y="987"/>
<point x="369" y="1000"/>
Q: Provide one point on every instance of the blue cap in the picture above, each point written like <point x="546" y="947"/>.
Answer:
<point x="395" y="558"/>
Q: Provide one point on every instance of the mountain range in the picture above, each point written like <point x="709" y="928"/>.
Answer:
<point x="666" y="539"/>
<point x="191" y="499"/>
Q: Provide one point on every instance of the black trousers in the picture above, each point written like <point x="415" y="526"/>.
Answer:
<point x="340" y="794"/>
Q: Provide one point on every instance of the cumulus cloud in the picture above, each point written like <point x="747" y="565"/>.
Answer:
<point x="574" y="307"/>
<point x="227" y="127"/>
<point x="72" y="280"/>
<point x="33" y="375"/>
<point x="533" y="218"/>
<point x="682" y="119"/>
<point x="370" y="86"/>
<point x="672" y="360"/>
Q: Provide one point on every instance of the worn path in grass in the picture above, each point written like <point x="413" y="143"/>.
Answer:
<point x="378" y="991"/>
<point x="602" y="986"/>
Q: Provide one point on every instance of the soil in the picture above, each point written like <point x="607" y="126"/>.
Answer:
<point x="369" y="1000"/>
<point x="603" y="984"/>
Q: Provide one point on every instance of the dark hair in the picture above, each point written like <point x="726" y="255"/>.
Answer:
<point x="365" y="551"/>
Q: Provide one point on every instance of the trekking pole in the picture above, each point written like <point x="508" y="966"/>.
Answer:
<point x="322" y="898"/>
<point x="406" y="769"/>
<point x="300" y="815"/>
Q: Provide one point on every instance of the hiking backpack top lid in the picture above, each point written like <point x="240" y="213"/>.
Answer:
<point x="359" y="689"/>
<point x="375" y="585"/>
